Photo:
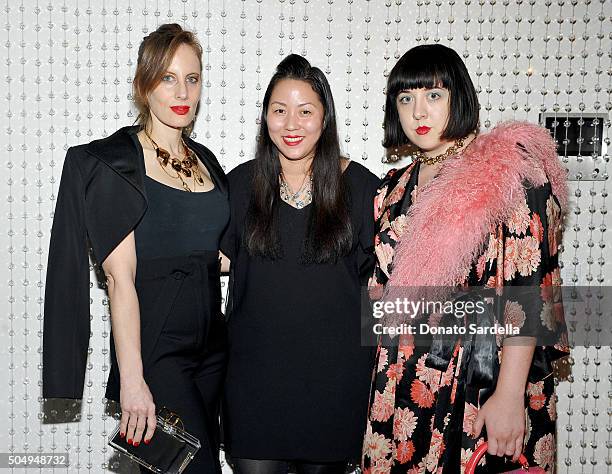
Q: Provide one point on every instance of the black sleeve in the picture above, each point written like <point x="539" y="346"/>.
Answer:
<point x="533" y="290"/>
<point x="528" y="280"/>
<point x="227" y="244"/>
<point x="66" y="309"/>
<point x="239" y="183"/>
<point x="367" y="231"/>
<point x="228" y="239"/>
<point x="368" y="228"/>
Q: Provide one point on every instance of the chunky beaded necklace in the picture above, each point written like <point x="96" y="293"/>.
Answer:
<point x="185" y="168"/>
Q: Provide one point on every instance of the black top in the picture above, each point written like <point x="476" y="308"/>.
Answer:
<point x="179" y="223"/>
<point x="298" y="378"/>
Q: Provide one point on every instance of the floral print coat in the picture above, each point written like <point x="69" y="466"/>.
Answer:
<point x="419" y="417"/>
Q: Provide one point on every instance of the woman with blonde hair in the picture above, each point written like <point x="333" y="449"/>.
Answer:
<point x="152" y="204"/>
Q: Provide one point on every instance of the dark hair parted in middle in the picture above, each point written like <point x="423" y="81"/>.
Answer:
<point x="329" y="232"/>
<point x="428" y="66"/>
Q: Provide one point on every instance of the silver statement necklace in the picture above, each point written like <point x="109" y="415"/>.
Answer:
<point x="299" y="199"/>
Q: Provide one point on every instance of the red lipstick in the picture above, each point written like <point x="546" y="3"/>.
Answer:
<point x="180" y="109"/>
<point x="423" y="130"/>
<point x="293" y="140"/>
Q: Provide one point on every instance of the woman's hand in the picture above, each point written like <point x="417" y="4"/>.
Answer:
<point x="504" y="416"/>
<point x="504" y="413"/>
<point x="137" y="412"/>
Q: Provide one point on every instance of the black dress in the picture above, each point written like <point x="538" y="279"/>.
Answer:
<point x="298" y="377"/>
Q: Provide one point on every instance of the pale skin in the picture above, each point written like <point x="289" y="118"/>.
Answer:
<point x="179" y="86"/>
<point x="503" y="414"/>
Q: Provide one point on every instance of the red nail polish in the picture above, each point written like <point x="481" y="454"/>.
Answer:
<point x="122" y="435"/>
<point x="129" y="441"/>
<point x="136" y="444"/>
<point x="147" y="441"/>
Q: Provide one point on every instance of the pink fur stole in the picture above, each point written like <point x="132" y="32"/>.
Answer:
<point x="447" y="227"/>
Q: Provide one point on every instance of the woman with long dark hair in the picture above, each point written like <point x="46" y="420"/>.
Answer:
<point x="300" y="242"/>
<point x="470" y="212"/>
<point x="152" y="204"/>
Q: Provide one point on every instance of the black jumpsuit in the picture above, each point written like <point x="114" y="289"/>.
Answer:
<point x="105" y="194"/>
<point x="183" y="333"/>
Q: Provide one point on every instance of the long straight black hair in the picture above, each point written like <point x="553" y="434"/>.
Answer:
<point x="329" y="233"/>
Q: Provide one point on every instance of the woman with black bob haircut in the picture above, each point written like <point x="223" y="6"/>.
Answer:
<point x="418" y="71"/>
<point x="471" y="211"/>
<point x="300" y="239"/>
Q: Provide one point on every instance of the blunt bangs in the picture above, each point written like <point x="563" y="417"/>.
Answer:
<point x="429" y="66"/>
<point x="416" y="73"/>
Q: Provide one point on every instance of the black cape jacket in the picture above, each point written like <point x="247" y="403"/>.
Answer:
<point x="100" y="201"/>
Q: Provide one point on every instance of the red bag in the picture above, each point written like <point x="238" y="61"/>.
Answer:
<point x="470" y="467"/>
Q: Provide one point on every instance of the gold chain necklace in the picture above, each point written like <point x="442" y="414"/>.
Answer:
<point x="431" y="160"/>
<point x="187" y="166"/>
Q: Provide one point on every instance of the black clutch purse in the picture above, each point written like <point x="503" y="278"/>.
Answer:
<point x="171" y="448"/>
